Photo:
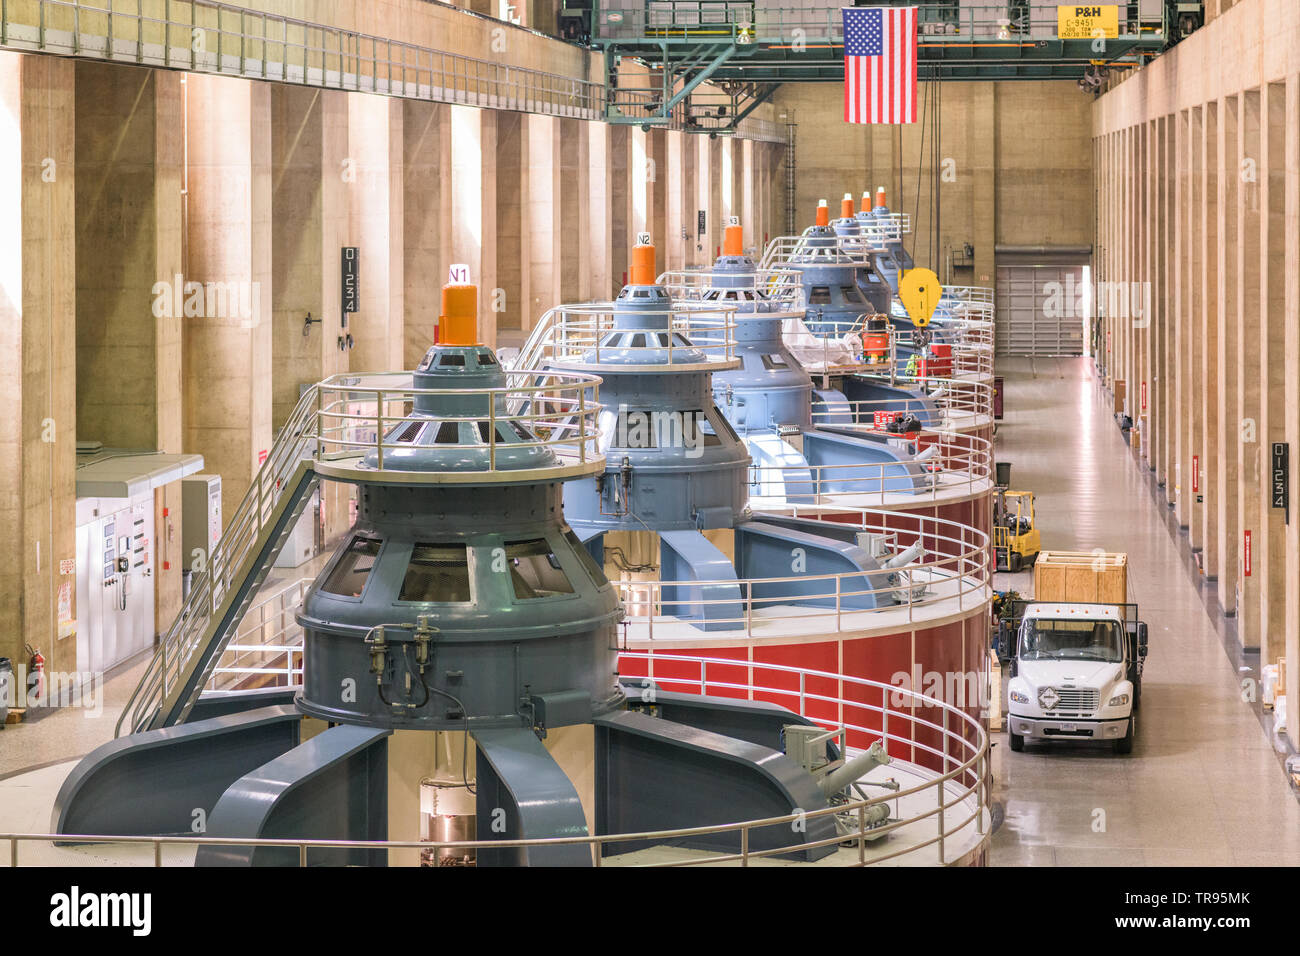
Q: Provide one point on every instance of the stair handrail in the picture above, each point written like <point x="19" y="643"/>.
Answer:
<point x="231" y="550"/>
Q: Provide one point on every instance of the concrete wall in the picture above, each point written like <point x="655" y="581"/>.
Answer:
<point x="1198" y="199"/>
<point x="1014" y="160"/>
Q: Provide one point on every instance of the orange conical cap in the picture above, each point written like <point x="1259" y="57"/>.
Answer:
<point x="823" y="213"/>
<point x="458" y="320"/>
<point x="733" y="242"/>
<point x="643" y="265"/>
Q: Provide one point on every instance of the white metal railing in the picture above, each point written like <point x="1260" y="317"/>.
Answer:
<point x="954" y="463"/>
<point x="267" y="647"/>
<point x="941" y="818"/>
<point x="849" y="348"/>
<point x="783" y="252"/>
<point x="953" y="569"/>
<point x="591" y="333"/>
<point x="357" y="415"/>
<point x="970" y="293"/>
<point x="207" y="36"/>
<point x="961" y="403"/>
<point x="212" y="37"/>
<point x="821" y="20"/>
<point x="778" y="289"/>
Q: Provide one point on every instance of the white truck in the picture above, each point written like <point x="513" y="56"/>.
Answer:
<point x="1076" y="674"/>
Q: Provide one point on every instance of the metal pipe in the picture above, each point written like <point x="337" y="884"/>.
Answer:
<point x="873" y="757"/>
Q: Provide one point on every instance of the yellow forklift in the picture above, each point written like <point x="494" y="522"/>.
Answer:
<point x="1015" y="534"/>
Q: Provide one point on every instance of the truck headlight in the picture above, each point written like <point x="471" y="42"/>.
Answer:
<point x="1119" y="700"/>
<point x="1019" y="698"/>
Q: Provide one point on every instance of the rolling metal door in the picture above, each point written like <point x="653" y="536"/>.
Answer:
<point x="1039" y="310"/>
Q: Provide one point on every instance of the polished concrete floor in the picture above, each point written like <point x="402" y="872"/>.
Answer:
<point x="1203" y="786"/>
<point x="64" y="733"/>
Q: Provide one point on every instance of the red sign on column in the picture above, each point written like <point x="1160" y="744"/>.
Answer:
<point x="1245" y="554"/>
<point x="1196" y="473"/>
<point x="1144" y="396"/>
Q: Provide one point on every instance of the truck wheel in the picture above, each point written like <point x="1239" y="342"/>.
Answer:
<point x="1017" y="740"/>
<point x="1125" y="744"/>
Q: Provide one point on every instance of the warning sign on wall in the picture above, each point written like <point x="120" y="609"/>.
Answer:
<point x="1087" y="21"/>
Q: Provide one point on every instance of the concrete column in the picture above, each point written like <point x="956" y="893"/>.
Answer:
<point x="1228" y="430"/>
<point x="622" y="221"/>
<point x="574" y="211"/>
<point x="658" y="177"/>
<point x="1292" y="306"/>
<point x="473" y="204"/>
<point x="983" y="157"/>
<point x="639" y="187"/>
<point x="1168" y="278"/>
<point x="544" y="245"/>
<point x="690" y="191"/>
<point x="311" y="179"/>
<point x="677" y="202"/>
<point x="376" y="145"/>
<point x="312" y="172"/>
<point x="1208" y="371"/>
<point x="512" y="301"/>
<point x="1146" y="173"/>
<point x="1252" y="462"/>
<point x="713" y="223"/>
<point x="1270" y="555"/>
<point x="733" y="164"/>
<point x="600" y="186"/>
<point x="426" y="221"/>
<point x="750" y="191"/>
<point x="227" y="368"/>
<point x="38" y="337"/>
<point x="1181" y="458"/>
<point x="129" y="148"/>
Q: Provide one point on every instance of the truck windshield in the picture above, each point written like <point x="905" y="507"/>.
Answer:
<point x="1048" y="640"/>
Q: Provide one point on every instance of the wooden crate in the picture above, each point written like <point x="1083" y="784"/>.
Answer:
<point x="1085" y="576"/>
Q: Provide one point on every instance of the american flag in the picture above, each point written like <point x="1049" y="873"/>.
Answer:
<point x="879" y="64"/>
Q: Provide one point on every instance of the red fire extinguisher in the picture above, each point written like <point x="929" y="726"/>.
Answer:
<point x="37" y="668"/>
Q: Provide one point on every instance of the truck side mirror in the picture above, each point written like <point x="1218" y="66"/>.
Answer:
<point x="1142" y="639"/>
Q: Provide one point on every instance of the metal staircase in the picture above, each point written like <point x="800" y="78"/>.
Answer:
<point x="236" y="568"/>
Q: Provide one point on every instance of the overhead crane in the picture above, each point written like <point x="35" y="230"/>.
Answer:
<point x="746" y="48"/>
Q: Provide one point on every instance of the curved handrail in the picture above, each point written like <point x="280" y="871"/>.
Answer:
<point x="572" y="334"/>
<point x="958" y="400"/>
<point x="939" y="731"/>
<point x="358" y="414"/>
<point x="779" y="289"/>
<point x="953" y="565"/>
<point x="958" y="461"/>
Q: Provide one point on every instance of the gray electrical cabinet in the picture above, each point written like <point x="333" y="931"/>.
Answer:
<point x="200" y="519"/>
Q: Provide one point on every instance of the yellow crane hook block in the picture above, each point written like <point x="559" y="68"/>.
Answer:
<point x="919" y="289"/>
